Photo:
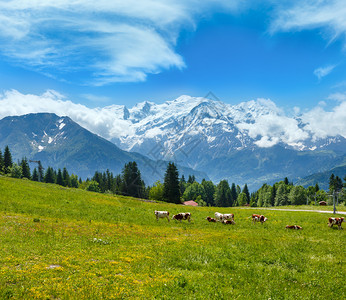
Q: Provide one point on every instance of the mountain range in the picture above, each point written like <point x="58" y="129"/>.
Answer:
<point x="60" y="142"/>
<point x="252" y="142"/>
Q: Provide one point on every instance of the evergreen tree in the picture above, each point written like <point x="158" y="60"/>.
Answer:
<point x="317" y="188"/>
<point x="59" y="179"/>
<point x="286" y="181"/>
<point x="25" y="168"/>
<point x="242" y="199"/>
<point x="40" y="171"/>
<point x="223" y="194"/>
<point x="34" y="175"/>
<point x="281" y="197"/>
<point x="65" y="177"/>
<point x="182" y="184"/>
<point x="238" y="189"/>
<point x="338" y="184"/>
<point x="1" y="163"/>
<point x="132" y="183"/>
<point x="331" y="183"/>
<point x="7" y="160"/>
<point x="209" y="189"/>
<point x="191" y="179"/>
<point x="234" y="195"/>
<point x="272" y="196"/>
<point x="247" y="194"/>
<point x="49" y="176"/>
<point x="171" y="189"/>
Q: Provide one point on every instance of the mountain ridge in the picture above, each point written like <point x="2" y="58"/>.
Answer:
<point x="60" y="142"/>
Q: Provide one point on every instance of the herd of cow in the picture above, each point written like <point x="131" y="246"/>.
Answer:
<point x="229" y="219"/>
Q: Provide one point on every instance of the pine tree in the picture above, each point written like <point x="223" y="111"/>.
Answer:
<point x="171" y="189"/>
<point x="25" y="168"/>
<point x="182" y="184"/>
<point x="191" y="179"/>
<point x="332" y="183"/>
<point x="317" y="188"/>
<point x="223" y="194"/>
<point x="59" y="179"/>
<point x="49" y="176"/>
<point x="209" y="188"/>
<point x="247" y="194"/>
<point x="40" y="171"/>
<point x="234" y="195"/>
<point x="34" y="175"/>
<point x="1" y="162"/>
<point x="132" y="183"/>
<point x="7" y="160"/>
<point x="286" y="181"/>
<point x="65" y="177"/>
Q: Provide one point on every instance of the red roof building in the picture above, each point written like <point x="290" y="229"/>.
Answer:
<point x="191" y="203"/>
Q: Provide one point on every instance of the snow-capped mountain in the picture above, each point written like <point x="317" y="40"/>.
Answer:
<point x="60" y="142"/>
<point x="211" y="136"/>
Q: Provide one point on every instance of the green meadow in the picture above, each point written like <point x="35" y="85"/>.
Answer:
<point x="60" y="243"/>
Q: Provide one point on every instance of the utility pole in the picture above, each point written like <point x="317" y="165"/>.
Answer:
<point x="334" y="208"/>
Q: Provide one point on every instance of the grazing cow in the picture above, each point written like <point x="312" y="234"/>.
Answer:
<point x="182" y="216"/>
<point x="228" y="222"/>
<point x="259" y="218"/>
<point x="221" y="217"/>
<point x="210" y="219"/>
<point x="335" y="221"/>
<point x="161" y="214"/>
<point x="297" y="227"/>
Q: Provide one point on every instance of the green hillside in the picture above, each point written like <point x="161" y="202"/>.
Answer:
<point x="60" y="243"/>
<point x="322" y="178"/>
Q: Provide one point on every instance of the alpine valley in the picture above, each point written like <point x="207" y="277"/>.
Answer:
<point x="252" y="142"/>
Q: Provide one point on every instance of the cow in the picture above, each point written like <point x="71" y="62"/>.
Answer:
<point x="210" y="219"/>
<point x="161" y="214"/>
<point x="228" y="222"/>
<point x="335" y="221"/>
<point x="297" y="227"/>
<point x="259" y="218"/>
<point x="182" y="216"/>
<point x="220" y="217"/>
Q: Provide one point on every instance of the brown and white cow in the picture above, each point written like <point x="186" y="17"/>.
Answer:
<point x="161" y="214"/>
<point x="296" y="227"/>
<point x="210" y="219"/>
<point x="335" y="221"/>
<point x="220" y="217"/>
<point x="259" y="218"/>
<point x="182" y="216"/>
<point x="231" y="222"/>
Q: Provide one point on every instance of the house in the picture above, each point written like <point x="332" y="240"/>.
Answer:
<point x="191" y="203"/>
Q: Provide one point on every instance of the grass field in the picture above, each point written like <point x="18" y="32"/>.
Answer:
<point x="59" y="243"/>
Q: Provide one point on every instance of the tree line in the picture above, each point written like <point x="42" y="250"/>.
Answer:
<point x="177" y="189"/>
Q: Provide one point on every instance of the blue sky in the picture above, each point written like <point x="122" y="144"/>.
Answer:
<point x="124" y="52"/>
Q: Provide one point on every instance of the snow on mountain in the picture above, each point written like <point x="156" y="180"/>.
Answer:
<point x="175" y="127"/>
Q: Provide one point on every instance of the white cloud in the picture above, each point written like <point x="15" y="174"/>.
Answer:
<point x="322" y="123"/>
<point x="323" y="71"/>
<point x="268" y="129"/>
<point x="102" y="121"/>
<point x="328" y="15"/>
<point x="273" y="128"/>
<point x="338" y="97"/>
<point x="115" y="41"/>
